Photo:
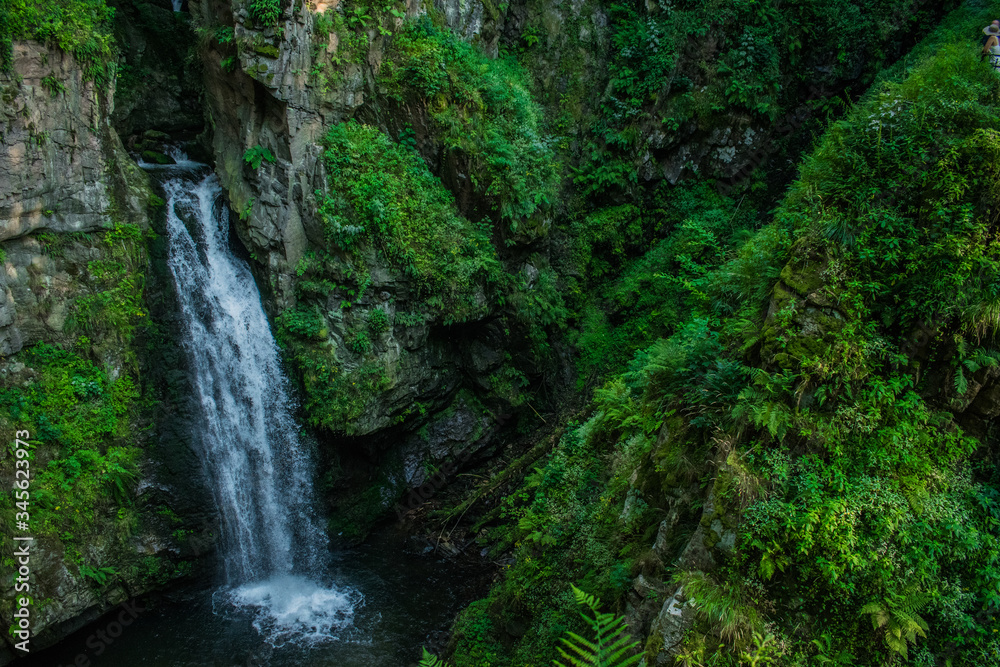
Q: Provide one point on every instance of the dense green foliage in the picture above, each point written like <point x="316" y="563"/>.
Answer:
<point x="265" y="12"/>
<point x="482" y="109"/>
<point x="626" y="302"/>
<point x="382" y="199"/>
<point x="73" y="405"/>
<point x="383" y="196"/>
<point x="756" y="57"/>
<point x="80" y="27"/>
<point x="81" y="403"/>
<point x="608" y="643"/>
<point x="864" y="499"/>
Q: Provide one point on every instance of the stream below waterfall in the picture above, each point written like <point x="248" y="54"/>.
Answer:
<point x="282" y="597"/>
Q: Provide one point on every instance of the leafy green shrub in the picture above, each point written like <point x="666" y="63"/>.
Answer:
<point x="378" y="321"/>
<point x="408" y="319"/>
<point x="255" y="155"/>
<point x="80" y="27"/>
<point x="265" y="12"/>
<point x="481" y="108"/>
<point x="99" y="575"/>
<point x="360" y="344"/>
<point x="53" y="85"/>
<point x="72" y="407"/>
<point x="383" y="195"/>
<point x="305" y="323"/>
<point x="6" y="43"/>
<point x="224" y="34"/>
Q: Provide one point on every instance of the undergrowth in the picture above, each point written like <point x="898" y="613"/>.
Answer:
<point x="860" y="492"/>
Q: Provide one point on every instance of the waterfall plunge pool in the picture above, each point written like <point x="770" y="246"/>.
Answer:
<point x="403" y="600"/>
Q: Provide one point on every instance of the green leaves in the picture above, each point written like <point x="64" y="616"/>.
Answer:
<point x="98" y="575"/>
<point x="265" y="12"/>
<point x="611" y="643"/>
<point x="255" y="155"/>
<point x="897" y="617"/>
<point x="80" y="27"/>
<point x="430" y="660"/>
<point x="483" y="113"/>
<point x="382" y="194"/>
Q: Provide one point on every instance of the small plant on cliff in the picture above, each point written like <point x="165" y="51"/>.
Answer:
<point x="265" y="12"/>
<point x="224" y="34"/>
<point x="98" y="575"/>
<point x="303" y="322"/>
<point x="361" y="344"/>
<point x="255" y="155"/>
<point x="53" y="85"/>
<point x="378" y="321"/>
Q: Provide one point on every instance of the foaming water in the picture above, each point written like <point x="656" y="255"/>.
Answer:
<point x="274" y="553"/>
<point x="292" y="608"/>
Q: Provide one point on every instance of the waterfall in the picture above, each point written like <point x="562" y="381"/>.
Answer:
<point x="273" y="549"/>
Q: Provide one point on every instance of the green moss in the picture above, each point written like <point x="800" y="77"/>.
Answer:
<point x="381" y="195"/>
<point x="482" y="109"/>
<point x="804" y="276"/>
<point x="156" y="157"/>
<point x="266" y="50"/>
<point x="72" y="409"/>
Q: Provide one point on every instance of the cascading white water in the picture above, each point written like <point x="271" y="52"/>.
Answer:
<point x="177" y="5"/>
<point x="273" y="549"/>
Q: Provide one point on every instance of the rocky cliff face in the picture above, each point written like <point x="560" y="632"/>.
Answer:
<point x="281" y="89"/>
<point x="63" y="165"/>
<point x="74" y="217"/>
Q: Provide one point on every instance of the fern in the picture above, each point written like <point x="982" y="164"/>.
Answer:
<point x="611" y="644"/>
<point x="974" y="362"/>
<point x="898" y="616"/>
<point x="255" y="155"/>
<point x="99" y="575"/>
<point x="430" y="660"/>
<point x="610" y="647"/>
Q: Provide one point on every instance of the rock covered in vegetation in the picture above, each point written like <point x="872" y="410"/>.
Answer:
<point x="74" y="225"/>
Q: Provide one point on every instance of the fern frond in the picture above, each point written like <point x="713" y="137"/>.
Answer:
<point x="611" y="641"/>
<point x="431" y="660"/>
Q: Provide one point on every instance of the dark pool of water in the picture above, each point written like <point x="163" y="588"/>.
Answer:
<point x="407" y="600"/>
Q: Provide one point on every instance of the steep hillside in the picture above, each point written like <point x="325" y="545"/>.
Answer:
<point x="805" y="472"/>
